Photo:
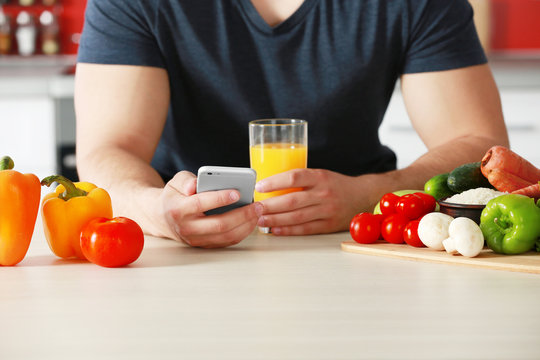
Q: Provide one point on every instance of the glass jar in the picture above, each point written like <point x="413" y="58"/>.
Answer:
<point x="5" y="33"/>
<point x="26" y="34"/>
<point x="50" y="44"/>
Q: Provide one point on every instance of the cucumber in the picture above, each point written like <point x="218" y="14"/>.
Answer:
<point x="466" y="177"/>
<point x="437" y="187"/>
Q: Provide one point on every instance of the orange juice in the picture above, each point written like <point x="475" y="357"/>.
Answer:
<point x="271" y="159"/>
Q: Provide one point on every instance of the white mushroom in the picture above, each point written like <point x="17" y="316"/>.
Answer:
<point x="465" y="237"/>
<point x="433" y="229"/>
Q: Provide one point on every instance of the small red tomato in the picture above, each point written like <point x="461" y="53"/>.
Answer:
<point x="429" y="202"/>
<point x="410" y="234"/>
<point x="411" y="206"/>
<point x="388" y="203"/>
<point x="112" y="242"/>
<point x="365" y="228"/>
<point x="392" y="228"/>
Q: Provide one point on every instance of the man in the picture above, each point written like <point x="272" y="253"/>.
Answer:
<point x="163" y="87"/>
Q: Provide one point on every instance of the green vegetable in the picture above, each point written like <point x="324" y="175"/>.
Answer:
<point x="510" y="224"/>
<point x="466" y="177"/>
<point x="437" y="187"/>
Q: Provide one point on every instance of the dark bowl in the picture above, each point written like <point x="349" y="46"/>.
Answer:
<point x="472" y="212"/>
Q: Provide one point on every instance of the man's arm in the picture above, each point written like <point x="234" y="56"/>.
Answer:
<point x="121" y="111"/>
<point x="457" y="114"/>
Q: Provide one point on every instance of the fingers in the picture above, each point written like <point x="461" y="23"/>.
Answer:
<point x="318" y="208"/>
<point x="299" y="216"/>
<point x="313" y="227"/>
<point x="289" y="202"/>
<point x="221" y="230"/>
<point x="290" y="179"/>
<point x="228" y="238"/>
<point x="199" y="203"/>
<point x="183" y="212"/>
<point x="296" y="213"/>
<point x="184" y="183"/>
<point x="222" y="223"/>
<point x="214" y="231"/>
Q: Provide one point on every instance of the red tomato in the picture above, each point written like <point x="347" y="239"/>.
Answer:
<point x="411" y="206"/>
<point x="429" y="202"/>
<point x="112" y="242"/>
<point x="388" y="203"/>
<point x="365" y="228"/>
<point x="410" y="234"/>
<point x="392" y="228"/>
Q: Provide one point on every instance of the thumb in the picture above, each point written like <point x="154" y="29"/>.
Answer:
<point x="184" y="182"/>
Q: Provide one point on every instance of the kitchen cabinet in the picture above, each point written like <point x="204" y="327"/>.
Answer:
<point x="28" y="133"/>
<point x="36" y="113"/>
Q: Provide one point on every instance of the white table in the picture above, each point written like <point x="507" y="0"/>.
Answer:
<point x="266" y="298"/>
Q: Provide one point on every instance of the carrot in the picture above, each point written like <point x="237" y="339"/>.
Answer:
<point x="530" y="191"/>
<point x="502" y="158"/>
<point x="505" y="181"/>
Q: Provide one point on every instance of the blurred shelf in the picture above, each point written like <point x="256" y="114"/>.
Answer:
<point x="50" y="76"/>
<point x="39" y="65"/>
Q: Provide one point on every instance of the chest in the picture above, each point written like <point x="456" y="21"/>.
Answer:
<point x="230" y="55"/>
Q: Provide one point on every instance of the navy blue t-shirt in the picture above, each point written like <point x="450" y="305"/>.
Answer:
<point x="334" y="63"/>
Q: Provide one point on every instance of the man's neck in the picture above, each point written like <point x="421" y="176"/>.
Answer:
<point x="274" y="12"/>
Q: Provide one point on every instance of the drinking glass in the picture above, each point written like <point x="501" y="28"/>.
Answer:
<point x="275" y="146"/>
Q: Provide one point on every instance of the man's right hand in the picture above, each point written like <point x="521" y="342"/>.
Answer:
<point x="184" y="209"/>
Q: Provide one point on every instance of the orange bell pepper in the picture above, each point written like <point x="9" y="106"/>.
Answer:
<point x="19" y="205"/>
<point x="66" y="210"/>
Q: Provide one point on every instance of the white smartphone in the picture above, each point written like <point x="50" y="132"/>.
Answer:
<point x="211" y="178"/>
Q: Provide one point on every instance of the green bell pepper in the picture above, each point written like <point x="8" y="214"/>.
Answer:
<point x="510" y="224"/>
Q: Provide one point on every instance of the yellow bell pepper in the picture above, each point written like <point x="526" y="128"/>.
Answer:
<point x="66" y="210"/>
<point x="19" y="205"/>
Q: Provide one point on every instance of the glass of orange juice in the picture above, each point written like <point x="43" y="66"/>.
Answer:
<point x="275" y="146"/>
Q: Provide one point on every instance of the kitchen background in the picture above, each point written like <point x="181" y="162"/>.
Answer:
<point x="38" y="46"/>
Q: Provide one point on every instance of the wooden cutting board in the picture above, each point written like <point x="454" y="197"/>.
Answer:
<point x="528" y="262"/>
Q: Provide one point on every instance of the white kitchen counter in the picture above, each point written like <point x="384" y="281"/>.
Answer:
<point x="266" y="298"/>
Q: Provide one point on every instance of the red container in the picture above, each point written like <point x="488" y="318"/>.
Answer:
<point x="515" y="25"/>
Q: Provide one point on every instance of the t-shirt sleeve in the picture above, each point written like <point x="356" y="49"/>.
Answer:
<point x="118" y="32"/>
<point x="442" y="36"/>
